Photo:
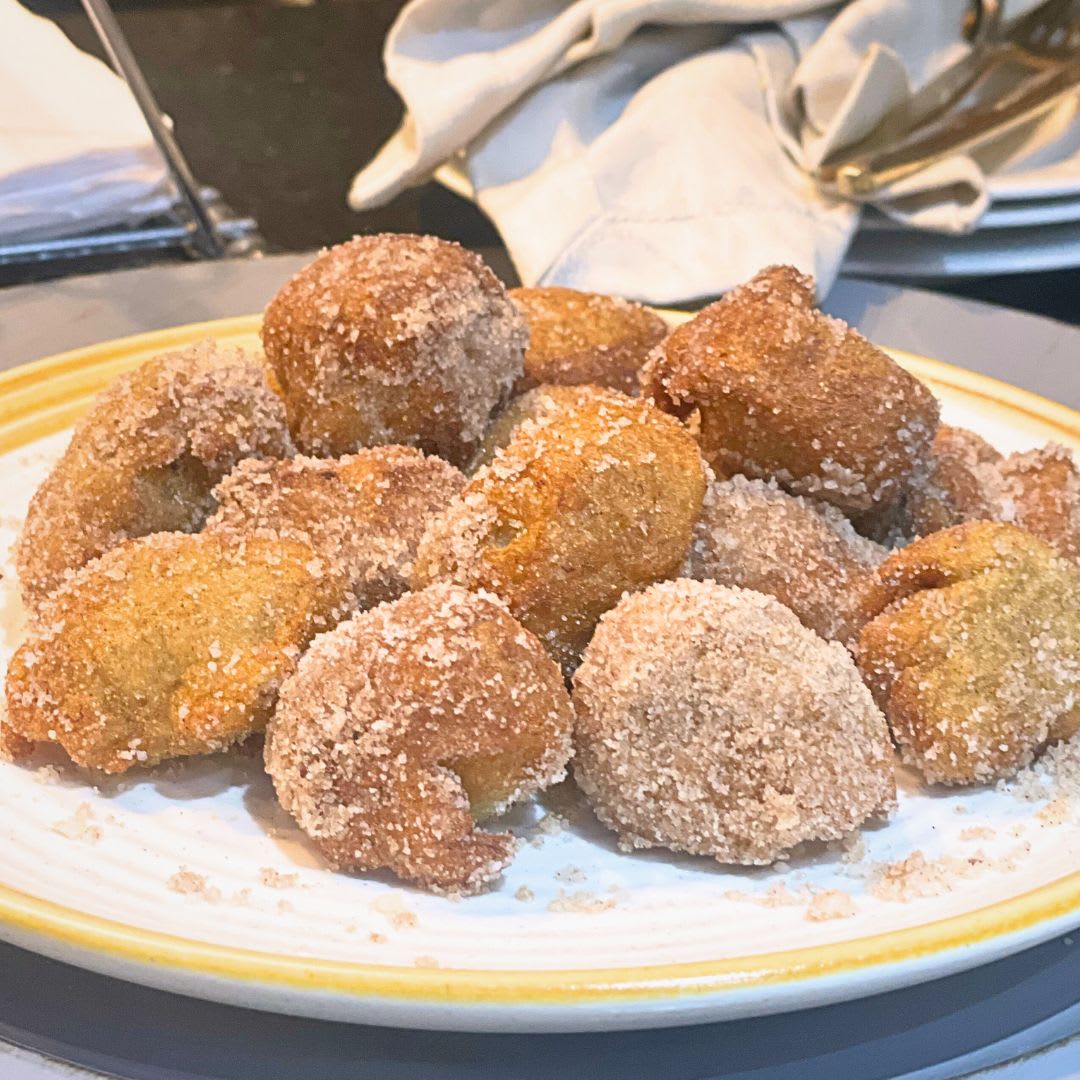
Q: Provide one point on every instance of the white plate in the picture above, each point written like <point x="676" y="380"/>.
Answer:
<point x="910" y="254"/>
<point x="1002" y="215"/>
<point x="577" y="937"/>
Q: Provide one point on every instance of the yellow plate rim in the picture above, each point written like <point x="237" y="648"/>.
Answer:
<point x="48" y="387"/>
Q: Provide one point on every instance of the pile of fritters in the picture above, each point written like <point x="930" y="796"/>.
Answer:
<point x="718" y="572"/>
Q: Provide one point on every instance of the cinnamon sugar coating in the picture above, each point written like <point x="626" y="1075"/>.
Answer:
<point x="973" y="652"/>
<point x="1041" y="493"/>
<point x="408" y="721"/>
<point x="393" y="339"/>
<point x="145" y="459"/>
<point x="362" y="514"/>
<point x="711" y="721"/>
<point x="962" y="485"/>
<point x="754" y="535"/>
<point x="541" y="403"/>
<point x="582" y="337"/>
<point x="578" y="508"/>
<point x="785" y="392"/>
<point x="1039" y="490"/>
<point x="166" y="646"/>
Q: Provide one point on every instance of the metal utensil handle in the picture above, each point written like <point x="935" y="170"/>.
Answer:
<point x="123" y="59"/>
<point x="862" y="179"/>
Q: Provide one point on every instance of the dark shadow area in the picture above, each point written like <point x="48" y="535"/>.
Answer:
<point x="58" y="1010"/>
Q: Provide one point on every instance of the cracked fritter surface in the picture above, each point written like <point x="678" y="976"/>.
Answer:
<point x="166" y="646"/>
<point x="785" y="392"/>
<point x="711" y="721"/>
<point x="408" y="721"/>
<point x="974" y="650"/>
<point x="576" y="509"/>
<point x="146" y="457"/>
<point x="393" y="338"/>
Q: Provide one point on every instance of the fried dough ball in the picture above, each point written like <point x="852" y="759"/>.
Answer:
<point x="145" y="459"/>
<point x="807" y="555"/>
<point x="406" y="723"/>
<point x="363" y="514"/>
<point x="166" y="646"/>
<point x="582" y="337"/>
<point x="1039" y="490"/>
<point x="788" y="393"/>
<point x="962" y="484"/>
<point x="576" y="510"/>
<point x="540" y="403"/>
<point x="711" y="721"/>
<point x="393" y="339"/>
<point x="1041" y="493"/>
<point x="974" y="653"/>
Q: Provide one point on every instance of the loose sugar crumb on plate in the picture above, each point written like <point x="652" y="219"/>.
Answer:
<point x="831" y="904"/>
<point x="188" y="883"/>
<point x="80" y="826"/>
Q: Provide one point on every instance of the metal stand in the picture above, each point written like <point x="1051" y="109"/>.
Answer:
<point x="200" y="225"/>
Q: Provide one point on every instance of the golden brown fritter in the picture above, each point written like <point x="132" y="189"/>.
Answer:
<point x="974" y="653"/>
<point x="582" y="337"/>
<point x="785" y="392"/>
<point x="166" y="646"/>
<point x="1041" y="493"/>
<point x="576" y="510"/>
<point x="807" y="555"/>
<point x="394" y="339"/>
<point x="363" y="514"/>
<point x="1039" y="490"/>
<point x="962" y="485"/>
<point x="540" y="403"/>
<point x="408" y="721"/>
<point x="709" y="720"/>
<point x="146" y="458"/>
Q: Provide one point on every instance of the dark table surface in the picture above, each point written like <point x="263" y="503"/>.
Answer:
<point x="278" y="102"/>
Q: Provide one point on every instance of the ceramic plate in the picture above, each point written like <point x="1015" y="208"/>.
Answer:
<point x="910" y="254"/>
<point x="190" y="879"/>
<point x="1000" y="215"/>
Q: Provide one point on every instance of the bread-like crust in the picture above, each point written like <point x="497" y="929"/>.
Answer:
<point x="973" y="650"/>
<point x="577" y="509"/>
<point x="145" y="459"/>
<point x="963" y="483"/>
<point x="540" y="403"/>
<point x="406" y="722"/>
<point x="709" y="720"/>
<point x="583" y="337"/>
<point x="166" y="646"/>
<point x="805" y="554"/>
<point x="393" y="339"/>
<point x="785" y="392"/>
<point x="1041" y="490"/>
<point x="362" y="514"/>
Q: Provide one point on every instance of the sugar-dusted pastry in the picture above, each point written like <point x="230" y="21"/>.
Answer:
<point x="394" y="338"/>
<point x="711" y="721"/>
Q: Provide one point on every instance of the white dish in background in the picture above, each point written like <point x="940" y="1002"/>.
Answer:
<point x="1001" y="215"/>
<point x="884" y="253"/>
<point x="578" y="936"/>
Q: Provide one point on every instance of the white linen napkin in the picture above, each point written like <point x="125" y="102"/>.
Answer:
<point x="659" y="148"/>
<point x="75" y="152"/>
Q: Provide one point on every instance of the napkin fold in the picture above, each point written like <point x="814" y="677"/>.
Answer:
<point x="75" y="152"/>
<point x="660" y="148"/>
